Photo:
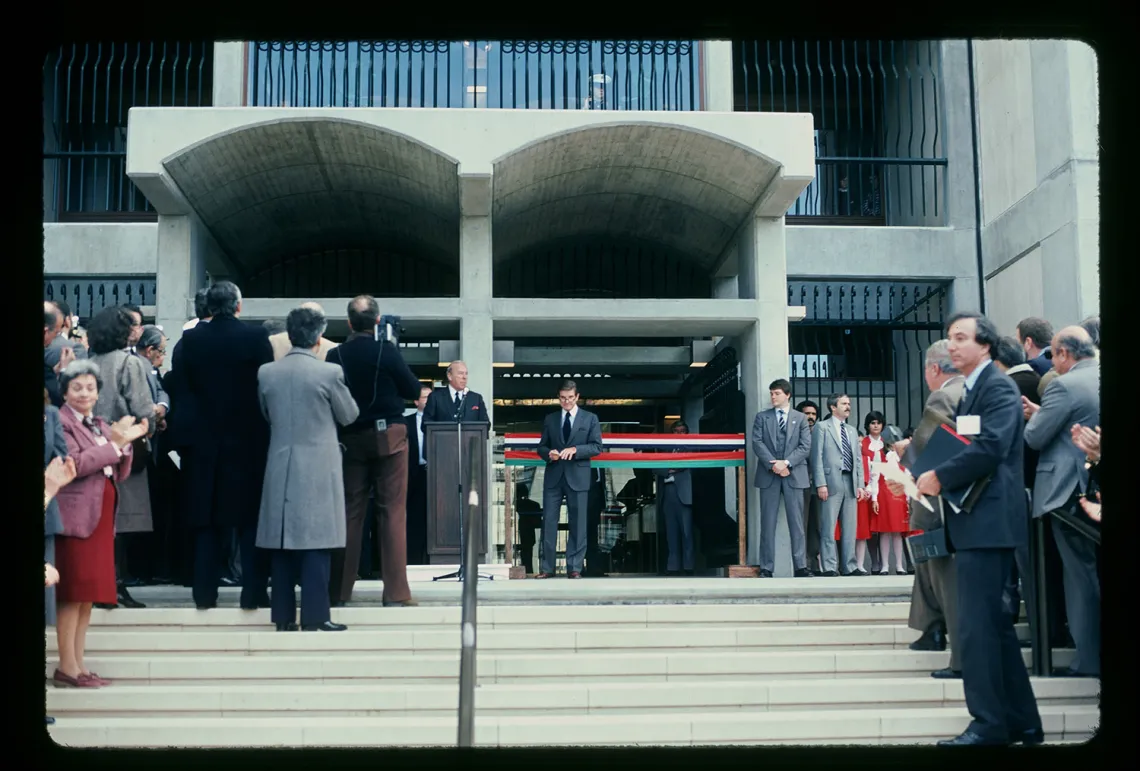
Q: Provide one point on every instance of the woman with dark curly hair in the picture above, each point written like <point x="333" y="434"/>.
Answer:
<point x="125" y="391"/>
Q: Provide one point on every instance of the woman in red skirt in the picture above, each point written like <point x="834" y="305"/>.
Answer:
<point x="85" y="552"/>
<point x="887" y="512"/>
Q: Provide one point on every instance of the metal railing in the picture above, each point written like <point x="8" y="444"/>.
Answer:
<point x="511" y="74"/>
<point x="88" y="295"/>
<point x="877" y="114"/>
<point x="867" y="340"/>
<point x="89" y="88"/>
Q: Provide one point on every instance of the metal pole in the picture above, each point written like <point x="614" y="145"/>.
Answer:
<point x="467" y="655"/>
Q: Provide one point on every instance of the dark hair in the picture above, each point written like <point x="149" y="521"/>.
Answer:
<point x="201" y="309"/>
<point x="833" y="400"/>
<point x="985" y="333"/>
<point x="151" y="337"/>
<point x="64" y="308"/>
<point x="568" y="385"/>
<point x="223" y="298"/>
<point x="274" y="326"/>
<point x="874" y="416"/>
<point x="1008" y="352"/>
<point x="1092" y="326"/>
<point x="909" y="433"/>
<point x="1039" y="329"/>
<point x="681" y="423"/>
<point x="1079" y="347"/>
<point x="132" y="308"/>
<point x="363" y="311"/>
<point x="305" y="327"/>
<point x="807" y="403"/>
<point x="782" y="385"/>
<point x="79" y="368"/>
<point x="109" y="330"/>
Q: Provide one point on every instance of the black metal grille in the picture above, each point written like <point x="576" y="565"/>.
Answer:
<point x="514" y="74"/>
<point x="87" y="295"/>
<point x="866" y="340"/>
<point x="88" y="90"/>
<point x="349" y="272"/>
<point x="876" y="106"/>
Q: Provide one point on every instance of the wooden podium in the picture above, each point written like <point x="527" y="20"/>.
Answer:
<point x="444" y="515"/>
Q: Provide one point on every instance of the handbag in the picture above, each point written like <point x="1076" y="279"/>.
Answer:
<point x="140" y="451"/>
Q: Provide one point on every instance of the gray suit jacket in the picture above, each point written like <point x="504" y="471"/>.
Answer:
<point x="55" y="446"/>
<point x="827" y="455"/>
<point x="302" y="500"/>
<point x="55" y="348"/>
<point x="1070" y="398"/>
<point x="941" y="406"/>
<point x="682" y="481"/>
<point x="794" y="447"/>
<point x="585" y="435"/>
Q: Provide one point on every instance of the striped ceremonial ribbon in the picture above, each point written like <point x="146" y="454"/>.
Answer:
<point x="653" y="451"/>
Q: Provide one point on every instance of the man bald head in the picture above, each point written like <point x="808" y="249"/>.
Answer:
<point x="313" y="307"/>
<point x="53" y="322"/>
<point x="457" y="375"/>
<point x="363" y="312"/>
<point x="1070" y="346"/>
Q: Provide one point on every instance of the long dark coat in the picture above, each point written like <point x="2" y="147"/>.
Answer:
<point x="224" y="448"/>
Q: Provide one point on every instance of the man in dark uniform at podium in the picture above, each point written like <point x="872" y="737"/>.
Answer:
<point x="454" y="402"/>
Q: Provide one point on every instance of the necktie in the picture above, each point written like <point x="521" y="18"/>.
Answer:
<point x="848" y="458"/>
<point x="458" y="401"/>
<point x="91" y="426"/>
<point x="780" y="419"/>
<point x="566" y="428"/>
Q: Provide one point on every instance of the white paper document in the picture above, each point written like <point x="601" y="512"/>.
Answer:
<point x="177" y="460"/>
<point x="893" y="472"/>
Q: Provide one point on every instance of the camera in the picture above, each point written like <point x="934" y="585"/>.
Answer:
<point x="389" y="328"/>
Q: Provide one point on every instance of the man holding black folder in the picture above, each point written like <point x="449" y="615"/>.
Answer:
<point x="983" y="530"/>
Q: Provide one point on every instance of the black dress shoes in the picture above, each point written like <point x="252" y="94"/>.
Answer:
<point x="830" y="574"/>
<point x="971" y="739"/>
<point x="931" y="640"/>
<point x="211" y="606"/>
<point x="49" y="720"/>
<point x="765" y="573"/>
<point x="287" y="627"/>
<point x="328" y="626"/>
<point x="946" y="674"/>
<point x="1066" y="672"/>
<point x="1034" y="737"/>
<point x="803" y="573"/>
<point x="859" y="572"/>
<point x="126" y="600"/>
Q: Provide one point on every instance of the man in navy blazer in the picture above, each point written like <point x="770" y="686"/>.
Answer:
<point x="984" y="539"/>
<point x="454" y="402"/>
<point x="570" y="437"/>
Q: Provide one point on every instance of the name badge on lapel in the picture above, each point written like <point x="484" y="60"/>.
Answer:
<point x="969" y="425"/>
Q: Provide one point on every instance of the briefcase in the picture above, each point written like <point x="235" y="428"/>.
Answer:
<point x="927" y="545"/>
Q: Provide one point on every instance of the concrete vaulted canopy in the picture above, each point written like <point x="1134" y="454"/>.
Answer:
<point x="678" y="188"/>
<point x="292" y="186"/>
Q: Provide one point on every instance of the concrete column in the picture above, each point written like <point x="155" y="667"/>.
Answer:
<point x="180" y="273"/>
<point x="763" y="356"/>
<point x="718" y="75"/>
<point x="229" y="74"/>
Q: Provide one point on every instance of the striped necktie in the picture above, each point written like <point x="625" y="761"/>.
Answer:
<point x="781" y="420"/>
<point x="848" y="458"/>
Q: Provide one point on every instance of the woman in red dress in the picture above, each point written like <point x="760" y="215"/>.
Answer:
<point x="85" y="551"/>
<point x="887" y="512"/>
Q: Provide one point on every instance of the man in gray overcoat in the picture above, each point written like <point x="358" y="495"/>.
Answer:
<point x="302" y="502"/>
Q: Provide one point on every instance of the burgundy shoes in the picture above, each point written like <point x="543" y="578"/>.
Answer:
<point x="90" y="680"/>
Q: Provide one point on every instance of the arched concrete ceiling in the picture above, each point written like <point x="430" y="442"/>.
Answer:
<point x="274" y="190"/>
<point x="681" y="189"/>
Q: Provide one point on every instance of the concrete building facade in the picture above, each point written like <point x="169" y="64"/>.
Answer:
<point x="673" y="224"/>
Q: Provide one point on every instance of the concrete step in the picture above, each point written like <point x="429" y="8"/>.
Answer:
<point x="603" y="591"/>
<point x="905" y="726"/>
<point x="267" y="641"/>
<point x="355" y="700"/>
<point x="544" y="617"/>
<point x="552" y="667"/>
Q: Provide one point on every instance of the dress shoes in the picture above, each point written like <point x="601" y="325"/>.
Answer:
<point x="211" y="606"/>
<point x="971" y="739"/>
<point x="408" y="603"/>
<point x="931" y="640"/>
<point x="328" y="626"/>
<point x="764" y="573"/>
<point x="1066" y="672"/>
<point x="104" y="605"/>
<point x="49" y="720"/>
<point x="830" y="574"/>
<point x="287" y="627"/>
<point x="126" y="600"/>
<point x="946" y="674"/>
<point x="544" y="575"/>
<point x="859" y="572"/>
<point x="574" y="574"/>
<point x="803" y="573"/>
<point x="1033" y="737"/>
<point x="337" y="604"/>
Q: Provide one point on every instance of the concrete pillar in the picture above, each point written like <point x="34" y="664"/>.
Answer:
<point x="181" y="271"/>
<point x="763" y="356"/>
<point x="229" y="74"/>
<point x="718" y="75"/>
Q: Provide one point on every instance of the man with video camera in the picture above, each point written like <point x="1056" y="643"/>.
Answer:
<point x="375" y="449"/>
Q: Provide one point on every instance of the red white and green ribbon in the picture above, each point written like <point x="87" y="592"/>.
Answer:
<point x="640" y="459"/>
<point x="686" y="443"/>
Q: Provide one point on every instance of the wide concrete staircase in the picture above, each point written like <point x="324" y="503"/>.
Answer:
<point x="774" y="672"/>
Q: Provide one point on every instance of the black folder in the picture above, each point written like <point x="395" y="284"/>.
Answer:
<point x="944" y="445"/>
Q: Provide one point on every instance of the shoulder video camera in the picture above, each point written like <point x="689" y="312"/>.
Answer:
<point x="389" y="329"/>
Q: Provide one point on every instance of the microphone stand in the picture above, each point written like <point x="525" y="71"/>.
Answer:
<point x="459" y="575"/>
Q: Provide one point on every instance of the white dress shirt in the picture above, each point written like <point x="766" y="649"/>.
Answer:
<point x="420" y="435"/>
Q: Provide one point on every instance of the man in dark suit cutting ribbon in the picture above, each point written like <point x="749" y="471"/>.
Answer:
<point x="984" y="537"/>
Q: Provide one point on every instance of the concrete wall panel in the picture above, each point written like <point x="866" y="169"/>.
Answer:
<point x="101" y="248"/>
